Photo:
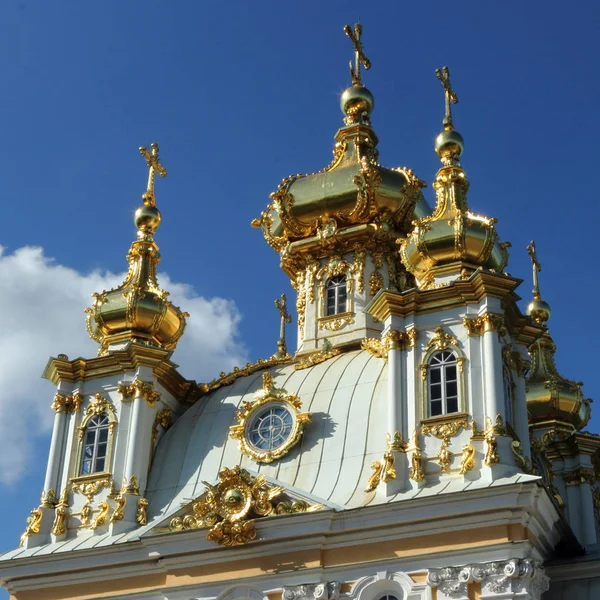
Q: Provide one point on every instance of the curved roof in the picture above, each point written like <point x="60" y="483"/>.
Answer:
<point x="332" y="461"/>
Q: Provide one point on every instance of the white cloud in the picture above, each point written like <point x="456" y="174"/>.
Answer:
<point x="41" y="315"/>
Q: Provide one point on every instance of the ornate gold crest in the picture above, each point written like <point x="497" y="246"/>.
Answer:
<point x="284" y="423"/>
<point x="229" y="508"/>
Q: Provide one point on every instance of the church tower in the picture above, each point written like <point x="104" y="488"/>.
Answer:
<point x="336" y="230"/>
<point x="111" y="411"/>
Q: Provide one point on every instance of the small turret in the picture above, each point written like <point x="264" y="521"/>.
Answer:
<point x="138" y="309"/>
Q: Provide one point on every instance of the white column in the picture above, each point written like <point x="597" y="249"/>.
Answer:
<point x="55" y="453"/>
<point x="521" y="417"/>
<point x="588" y="524"/>
<point x="573" y="508"/>
<point x="395" y="404"/>
<point x="492" y="375"/>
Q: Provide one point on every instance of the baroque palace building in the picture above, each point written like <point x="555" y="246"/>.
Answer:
<point x="420" y="444"/>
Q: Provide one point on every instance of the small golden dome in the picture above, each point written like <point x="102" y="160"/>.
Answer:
<point x="552" y="399"/>
<point x="138" y="309"/>
<point x="452" y="242"/>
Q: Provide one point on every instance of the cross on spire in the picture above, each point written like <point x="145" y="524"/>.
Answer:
<point x="359" y="55"/>
<point x="281" y="304"/>
<point x="536" y="269"/>
<point x="154" y="166"/>
<point x="443" y="75"/>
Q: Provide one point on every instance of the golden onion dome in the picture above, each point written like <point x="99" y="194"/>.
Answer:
<point x="452" y="242"/>
<point x="138" y="309"/>
<point x="551" y="399"/>
<point x="354" y="189"/>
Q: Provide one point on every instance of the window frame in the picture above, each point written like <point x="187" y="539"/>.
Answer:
<point x="460" y="380"/>
<point x="96" y="424"/>
<point x="97" y="407"/>
<point x="336" y="286"/>
<point x="442" y="367"/>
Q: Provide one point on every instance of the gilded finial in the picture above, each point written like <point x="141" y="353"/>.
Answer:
<point x="538" y="310"/>
<point x="147" y="218"/>
<point x="536" y="269"/>
<point x="359" y="55"/>
<point x="443" y="75"/>
<point x="449" y="144"/>
<point x="281" y="304"/>
<point x="154" y="166"/>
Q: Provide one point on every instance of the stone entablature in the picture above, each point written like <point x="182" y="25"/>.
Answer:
<point x="521" y="578"/>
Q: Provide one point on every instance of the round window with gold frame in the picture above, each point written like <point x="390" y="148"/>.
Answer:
<point x="270" y="424"/>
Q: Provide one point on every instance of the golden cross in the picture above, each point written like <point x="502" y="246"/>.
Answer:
<point x="153" y="166"/>
<point x="536" y="269"/>
<point x="281" y="304"/>
<point x="443" y="75"/>
<point x="359" y="55"/>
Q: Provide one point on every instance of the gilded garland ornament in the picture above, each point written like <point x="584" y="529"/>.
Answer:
<point x="271" y="424"/>
<point x="326" y="352"/>
<point x="141" y="517"/>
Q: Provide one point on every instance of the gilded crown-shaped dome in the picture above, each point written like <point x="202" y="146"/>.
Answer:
<point x="139" y="309"/>
<point x="452" y="242"/>
<point x="551" y="399"/>
<point x="354" y="189"/>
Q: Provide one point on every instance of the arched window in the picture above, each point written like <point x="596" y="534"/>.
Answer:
<point x="388" y="597"/>
<point x="336" y="295"/>
<point x="95" y="445"/>
<point x="509" y="397"/>
<point x="442" y="374"/>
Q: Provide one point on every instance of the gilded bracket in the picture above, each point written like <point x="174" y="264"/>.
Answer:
<point x="484" y="323"/>
<point x="385" y="471"/>
<point x="392" y="340"/>
<point x="489" y="435"/>
<point x="139" y="389"/>
<point x="67" y="404"/>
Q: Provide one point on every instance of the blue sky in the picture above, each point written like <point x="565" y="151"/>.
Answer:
<point x="240" y="95"/>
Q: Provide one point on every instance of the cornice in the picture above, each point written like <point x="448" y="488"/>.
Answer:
<point x="116" y="362"/>
<point x="460" y="293"/>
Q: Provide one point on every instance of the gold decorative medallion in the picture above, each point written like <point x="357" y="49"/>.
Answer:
<point x="269" y="425"/>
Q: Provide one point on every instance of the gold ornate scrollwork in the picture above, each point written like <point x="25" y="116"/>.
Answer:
<point x="229" y="508"/>
<point x="375" y="478"/>
<point x="85" y="514"/>
<point x="67" y="404"/>
<point x="131" y="486"/>
<point x="416" y="458"/>
<point x="392" y="340"/>
<point x="468" y="459"/>
<point x="249" y="369"/>
<point x="327" y="351"/>
<point x="385" y="470"/>
<point x="141" y="517"/>
<point x="49" y="499"/>
<point x="444" y="431"/>
<point x="522" y="461"/>
<point x="336" y="322"/>
<point x="489" y="435"/>
<point x="486" y="322"/>
<point x="119" y="511"/>
<point x="89" y="486"/>
<point x="139" y="389"/>
<point x="441" y="340"/>
<point x="101" y="516"/>
<point x="376" y="278"/>
<point x="358" y="268"/>
<point x="267" y="394"/>
<point x="33" y="524"/>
